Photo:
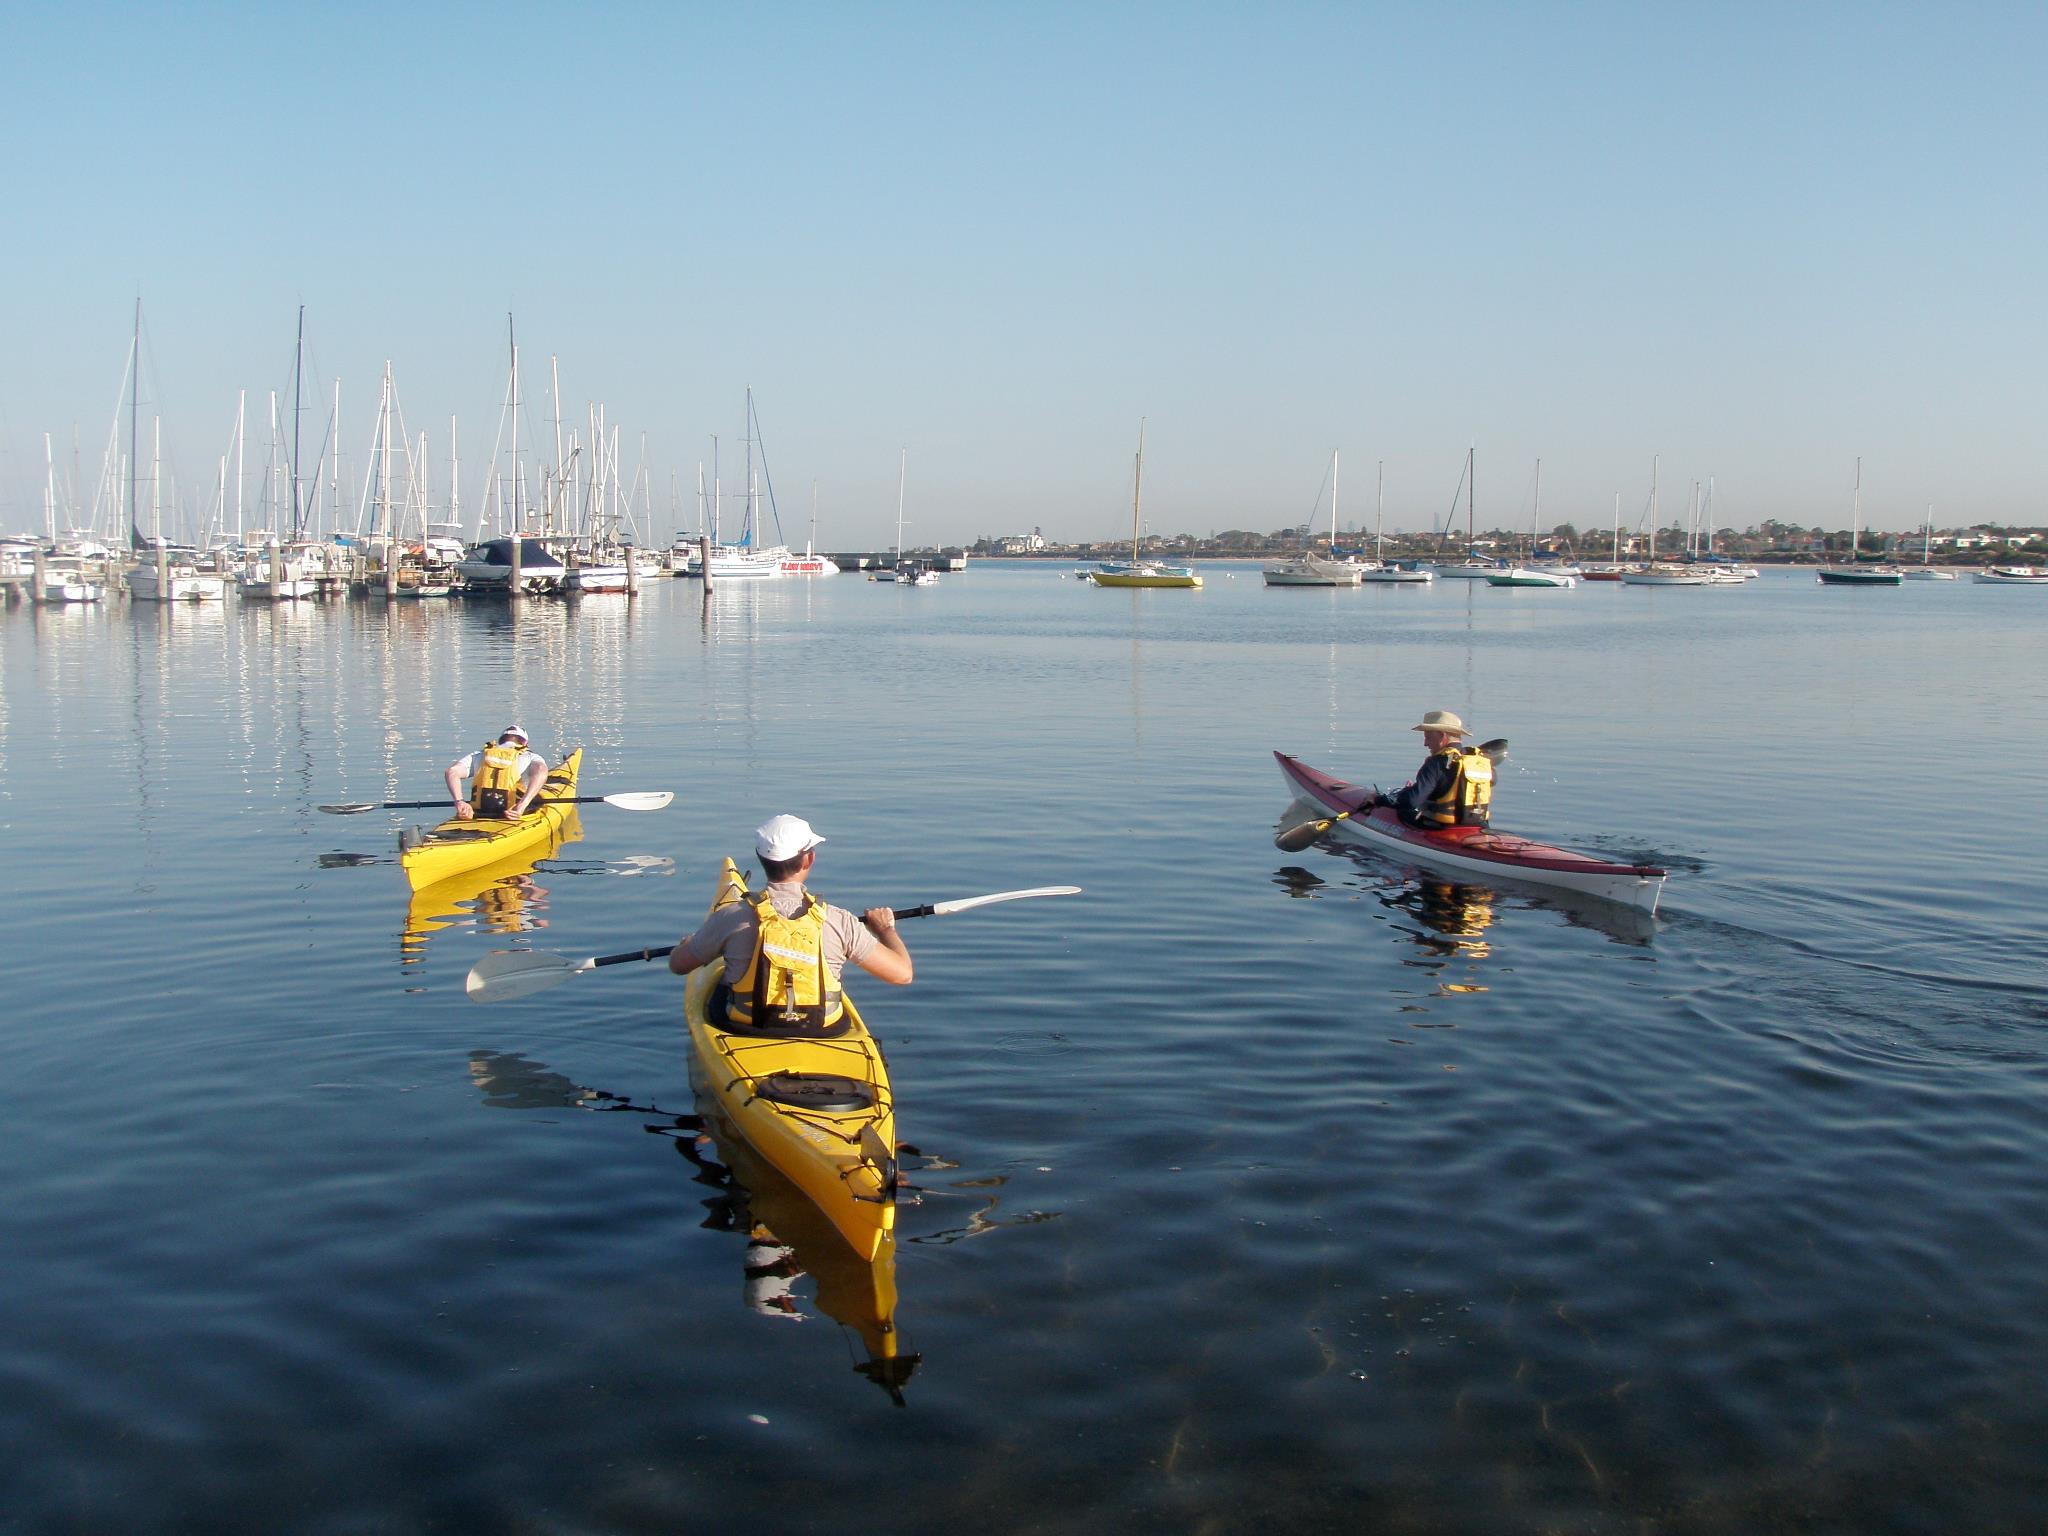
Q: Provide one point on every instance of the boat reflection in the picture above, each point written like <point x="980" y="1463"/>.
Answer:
<point x="788" y="1238"/>
<point x="501" y="898"/>
<point x="1451" y="919"/>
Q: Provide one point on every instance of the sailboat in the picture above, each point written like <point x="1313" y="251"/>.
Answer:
<point x="746" y="560"/>
<point x="911" y="573"/>
<point x="1474" y="567"/>
<point x="1306" y="570"/>
<point x="1137" y="572"/>
<point x="164" y="575"/>
<point x="1925" y="571"/>
<point x="1667" y="573"/>
<point x="1401" y="572"/>
<point x="1855" y="574"/>
<point x="1530" y="573"/>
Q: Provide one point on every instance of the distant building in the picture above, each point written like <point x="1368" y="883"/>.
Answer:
<point x="1021" y="543"/>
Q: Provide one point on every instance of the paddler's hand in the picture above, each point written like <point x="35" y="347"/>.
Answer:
<point x="881" y="922"/>
<point x="464" y="810"/>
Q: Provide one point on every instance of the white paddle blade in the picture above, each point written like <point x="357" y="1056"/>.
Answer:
<point x="505" y="974"/>
<point x="353" y="808"/>
<point x="641" y="800"/>
<point x="967" y="903"/>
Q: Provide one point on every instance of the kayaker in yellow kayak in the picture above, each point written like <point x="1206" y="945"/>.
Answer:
<point x="1454" y="785"/>
<point x="508" y="778"/>
<point x="784" y="949"/>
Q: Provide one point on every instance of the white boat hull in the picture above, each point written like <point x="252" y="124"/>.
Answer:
<point x="1314" y="573"/>
<point x="183" y="587"/>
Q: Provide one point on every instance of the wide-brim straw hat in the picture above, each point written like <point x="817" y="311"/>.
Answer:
<point x="1442" y="720"/>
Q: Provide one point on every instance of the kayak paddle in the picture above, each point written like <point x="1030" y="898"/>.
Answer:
<point x="501" y="976"/>
<point x="1294" y="839"/>
<point x="631" y="800"/>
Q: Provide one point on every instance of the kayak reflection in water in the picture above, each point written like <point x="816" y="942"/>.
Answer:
<point x="788" y="1238"/>
<point x="1456" y="917"/>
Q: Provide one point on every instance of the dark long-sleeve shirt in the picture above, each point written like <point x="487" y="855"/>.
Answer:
<point x="1434" y="776"/>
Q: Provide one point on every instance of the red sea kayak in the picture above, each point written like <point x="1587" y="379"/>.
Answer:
<point x="1475" y="851"/>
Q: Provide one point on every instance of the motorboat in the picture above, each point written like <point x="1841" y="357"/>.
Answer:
<point x="1398" y="573"/>
<point x="488" y="566"/>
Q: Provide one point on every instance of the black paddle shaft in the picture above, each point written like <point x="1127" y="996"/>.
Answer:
<point x="652" y="952"/>
<point x="656" y="951"/>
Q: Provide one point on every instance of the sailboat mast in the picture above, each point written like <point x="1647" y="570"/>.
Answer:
<point x="1137" y="490"/>
<point x="241" y="433"/>
<point x="1333" y="503"/>
<point x="902" y="469"/>
<point x="334" y="468"/>
<point x="1379" y="511"/>
<point x="298" y="409"/>
<point x="134" y="412"/>
<point x="1856" y="522"/>
<point x="1653" y="509"/>
<point x="1471" y="474"/>
<point x="1617" y="527"/>
<point x="518" y="474"/>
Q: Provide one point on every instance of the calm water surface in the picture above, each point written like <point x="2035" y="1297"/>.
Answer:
<point x="1257" y="1191"/>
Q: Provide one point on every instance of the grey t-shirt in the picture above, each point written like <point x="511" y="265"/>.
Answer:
<point x="730" y="932"/>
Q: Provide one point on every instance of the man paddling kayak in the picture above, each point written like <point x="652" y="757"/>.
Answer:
<point x="508" y="778"/>
<point x="784" y="948"/>
<point x="1454" y="785"/>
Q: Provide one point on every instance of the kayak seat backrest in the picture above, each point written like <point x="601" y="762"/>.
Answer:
<point x="815" y="1090"/>
<point x="719" y="1015"/>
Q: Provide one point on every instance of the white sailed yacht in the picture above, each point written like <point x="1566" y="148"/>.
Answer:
<point x="1308" y="569"/>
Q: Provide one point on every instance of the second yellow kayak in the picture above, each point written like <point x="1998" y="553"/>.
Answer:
<point x="456" y="846"/>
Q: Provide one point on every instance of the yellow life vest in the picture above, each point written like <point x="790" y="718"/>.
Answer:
<point x="495" y="789"/>
<point x="786" y="988"/>
<point x="1467" y="800"/>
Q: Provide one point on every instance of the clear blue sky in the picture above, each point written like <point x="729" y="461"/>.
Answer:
<point x="1755" y="240"/>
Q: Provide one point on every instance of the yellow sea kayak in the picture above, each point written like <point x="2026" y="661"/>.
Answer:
<point x="456" y="847"/>
<point x="819" y="1110"/>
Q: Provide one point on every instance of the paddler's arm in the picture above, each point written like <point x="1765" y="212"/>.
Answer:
<point x="888" y="961"/>
<point x="455" y="777"/>
<point x="708" y="942"/>
<point x="536" y="780"/>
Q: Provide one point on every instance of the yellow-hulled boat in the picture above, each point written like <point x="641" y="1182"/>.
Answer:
<point x="455" y="846"/>
<point x="819" y="1110"/>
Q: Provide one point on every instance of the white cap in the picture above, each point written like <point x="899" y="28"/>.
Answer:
<point x="784" y="837"/>
<point x="513" y="730"/>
